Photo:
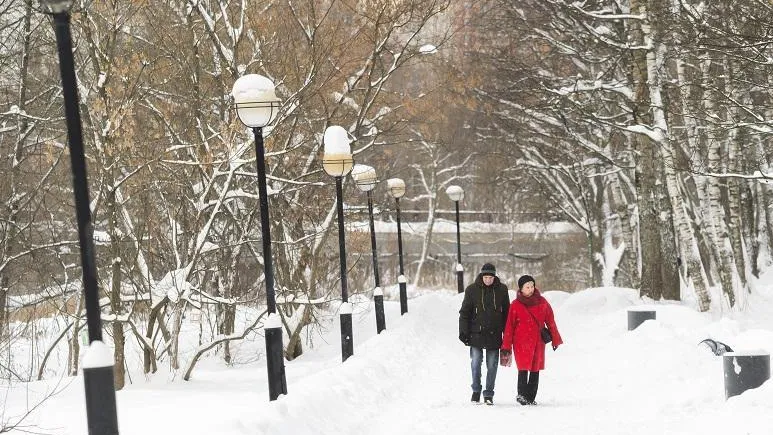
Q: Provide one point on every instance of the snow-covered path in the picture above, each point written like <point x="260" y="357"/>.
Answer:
<point x="414" y="379"/>
<point x="605" y="380"/>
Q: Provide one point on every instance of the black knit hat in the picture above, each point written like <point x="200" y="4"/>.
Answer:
<point x="524" y="279"/>
<point x="488" y="269"/>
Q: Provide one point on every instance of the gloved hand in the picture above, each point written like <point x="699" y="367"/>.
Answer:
<point x="555" y="347"/>
<point x="505" y="357"/>
<point x="464" y="338"/>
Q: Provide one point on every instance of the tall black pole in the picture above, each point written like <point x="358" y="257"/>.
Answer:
<point x="347" y="345"/>
<point x="459" y="267"/>
<point x="101" y="413"/>
<point x="378" y="295"/>
<point x="401" y="278"/>
<point x="277" y="382"/>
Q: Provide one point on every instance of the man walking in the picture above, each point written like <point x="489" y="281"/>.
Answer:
<point x="482" y="320"/>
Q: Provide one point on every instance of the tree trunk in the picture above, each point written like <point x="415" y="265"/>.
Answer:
<point x="226" y="317"/>
<point x="294" y="347"/>
<point x="750" y="200"/>
<point x="602" y="268"/>
<point x="22" y="126"/>
<point x="427" y="236"/>
<point x="649" y="235"/>
<point x="595" y="249"/>
<point x="75" y="346"/>
<point x="3" y="307"/>
<point x="174" y="350"/>
<point x="733" y="162"/>
<point x="695" y="274"/>
<point x="628" y="270"/>
<point x="669" y="266"/>
<point x="148" y="356"/>
<point x="718" y="233"/>
<point x="115" y="291"/>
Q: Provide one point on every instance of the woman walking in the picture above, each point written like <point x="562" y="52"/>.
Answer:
<point x="526" y="317"/>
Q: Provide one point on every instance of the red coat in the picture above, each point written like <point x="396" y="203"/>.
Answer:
<point x="522" y="332"/>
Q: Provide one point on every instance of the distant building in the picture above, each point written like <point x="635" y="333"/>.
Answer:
<point x="555" y="254"/>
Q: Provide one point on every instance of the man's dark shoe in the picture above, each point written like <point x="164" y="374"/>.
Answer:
<point x="488" y="400"/>
<point x="522" y="400"/>
<point x="531" y="402"/>
<point x="475" y="398"/>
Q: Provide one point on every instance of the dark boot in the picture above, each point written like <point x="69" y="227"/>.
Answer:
<point x="475" y="397"/>
<point x="531" y="387"/>
<point x="523" y="377"/>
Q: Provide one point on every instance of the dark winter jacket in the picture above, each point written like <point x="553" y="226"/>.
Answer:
<point x="483" y="314"/>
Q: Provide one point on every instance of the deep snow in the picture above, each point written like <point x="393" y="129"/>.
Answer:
<point x="414" y="378"/>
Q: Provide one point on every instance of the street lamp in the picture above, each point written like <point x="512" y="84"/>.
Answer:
<point x="338" y="162"/>
<point x="456" y="194"/>
<point x="397" y="189"/>
<point x="101" y="413"/>
<point x="365" y="178"/>
<point x="257" y="106"/>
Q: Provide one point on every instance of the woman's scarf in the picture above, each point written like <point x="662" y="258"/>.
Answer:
<point x="532" y="300"/>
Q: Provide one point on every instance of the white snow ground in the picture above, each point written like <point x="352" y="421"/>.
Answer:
<point x="414" y="379"/>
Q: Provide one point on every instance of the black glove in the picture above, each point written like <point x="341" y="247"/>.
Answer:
<point x="464" y="338"/>
<point x="555" y="347"/>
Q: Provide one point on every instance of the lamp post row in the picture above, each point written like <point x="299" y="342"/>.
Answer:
<point x="256" y="105"/>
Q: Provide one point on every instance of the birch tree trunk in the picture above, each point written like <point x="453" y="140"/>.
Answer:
<point x="628" y="269"/>
<point x="695" y="274"/>
<point x="718" y="233"/>
<point x="750" y="199"/>
<point x="669" y="273"/>
<point x="767" y="212"/>
<point x="600" y="267"/>
<point x="718" y="230"/>
<point x="429" y="182"/>
<point x="651" y="278"/>
<point x="669" y="267"/>
<point x="733" y="165"/>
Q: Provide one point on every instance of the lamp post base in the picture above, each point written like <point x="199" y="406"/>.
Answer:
<point x="637" y="317"/>
<point x="380" y="317"/>
<point x="403" y="298"/>
<point x="277" y="382"/>
<point x="101" y="410"/>
<point x="347" y="344"/>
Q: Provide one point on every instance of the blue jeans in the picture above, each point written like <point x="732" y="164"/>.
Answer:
<point x="492" y="362"/>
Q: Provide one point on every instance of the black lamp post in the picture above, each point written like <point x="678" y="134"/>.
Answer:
<point x="101" y="413"/>
<point x="256" y="105"/>
<point x="397" y="190"/>
<point x="456" y="194"/>
<point x="365" y="178"/>
<point x="338" y="162"/>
